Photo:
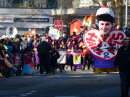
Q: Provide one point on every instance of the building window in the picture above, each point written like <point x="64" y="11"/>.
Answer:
<point x="52" y="4"/>
<point x="2" y="3"/>
<point x="17" y="3"/>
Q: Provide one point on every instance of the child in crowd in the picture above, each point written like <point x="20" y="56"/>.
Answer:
<point x="27" y="70"/>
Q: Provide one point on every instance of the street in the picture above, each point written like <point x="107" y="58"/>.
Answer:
<point x="66" y="84"/>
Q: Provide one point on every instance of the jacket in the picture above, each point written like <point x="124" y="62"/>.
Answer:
<point x="121" y="59"/>
<point x="44" y="48"/>
<point x="27" y="59"/>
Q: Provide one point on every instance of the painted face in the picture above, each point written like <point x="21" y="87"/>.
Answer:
<point x="105" y="27"/>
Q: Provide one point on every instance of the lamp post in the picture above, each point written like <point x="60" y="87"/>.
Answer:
<point x="126" y="12"/>
<point x="61" y="9"/>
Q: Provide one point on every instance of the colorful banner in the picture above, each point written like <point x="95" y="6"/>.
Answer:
<point x="76" y="59"/>
<point x="62" y="59"/>
<point x="105" y="55"/>
<point x="58" y="24"/>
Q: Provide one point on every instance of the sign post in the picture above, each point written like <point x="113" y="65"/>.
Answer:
<point x="58" y="24"/>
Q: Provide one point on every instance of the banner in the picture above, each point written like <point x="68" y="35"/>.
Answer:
<point x="54" y="33"/>
<point x="76" y="59"/>
<point x="62" y="59"/>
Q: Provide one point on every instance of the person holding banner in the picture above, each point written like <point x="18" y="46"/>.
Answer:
<point x="68" y="42"/>
<point x="81" y="46"/>
<point x="62" y="47"/>
<point x="71" y="48"/>
<point x="104" y="43"/>
<point x="48" y="38"/>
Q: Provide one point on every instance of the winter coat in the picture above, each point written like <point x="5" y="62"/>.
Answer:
<point x="44" y="49"/>
<point x="27" y="59"/>
<point x="121" y="59"/>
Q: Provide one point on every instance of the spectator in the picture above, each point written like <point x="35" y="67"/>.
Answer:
<point x="27" y="67"/>
<point x="123" y="62"/>
<point x="95" y="26"/>
<point x="43" y="53"/>
<point x="114" y="26"/>
<point x="127" y="31"/>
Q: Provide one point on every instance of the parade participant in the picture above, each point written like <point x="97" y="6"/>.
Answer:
<point x="71" y="48"/>
<point x="62" y="45"/>
<point x="48" y="38"/>
<point x="68" y="42"/>
<point x="80" y="44"/>
<point x="103" y="43"/>
<point x="81" y="47"/>
<point x="123" y="62"/>
<point x="27" y="70"/>
<point x="54" y="56"/>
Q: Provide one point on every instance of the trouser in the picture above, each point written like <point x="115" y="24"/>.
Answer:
<point x="125" y="81"/>
<point x="44" y="63"/>
<point x="84" y="62"/>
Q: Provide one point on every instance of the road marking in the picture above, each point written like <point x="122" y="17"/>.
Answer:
<point x="32" y="91"/>
<point x="28" y="93"/>
<point x="75" y="76"/>
<point x="30" y="76"/>
<point x="22" y="94"/>
<point x="100" y="75"/>
<point x="54" y="76"/>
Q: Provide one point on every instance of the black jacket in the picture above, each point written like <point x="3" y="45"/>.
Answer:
<point x="121" y="59"/>
<point x="44" y="49"/>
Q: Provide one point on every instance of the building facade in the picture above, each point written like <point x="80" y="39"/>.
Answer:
<point x="38" y="14"/>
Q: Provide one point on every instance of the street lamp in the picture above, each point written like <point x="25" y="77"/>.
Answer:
<point x="126" y="12"/>
<point x="61" y="9"/>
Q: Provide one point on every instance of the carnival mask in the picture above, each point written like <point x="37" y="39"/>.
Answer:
<point x="105" y="27"/>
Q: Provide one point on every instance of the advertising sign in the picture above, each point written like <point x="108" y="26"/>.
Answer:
<point x="58" y="24"/>
<point x="31" y="20"/>
<point x="6" y="19"/>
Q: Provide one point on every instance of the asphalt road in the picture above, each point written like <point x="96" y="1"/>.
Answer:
<point x="66" y="84"/>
